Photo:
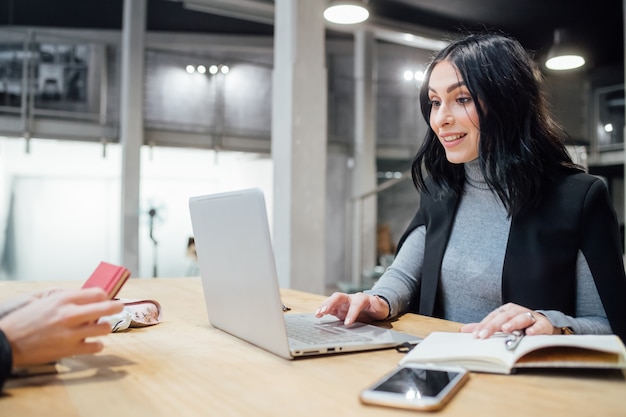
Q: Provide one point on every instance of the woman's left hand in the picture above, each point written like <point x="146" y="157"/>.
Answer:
<point x="510" y="317"/>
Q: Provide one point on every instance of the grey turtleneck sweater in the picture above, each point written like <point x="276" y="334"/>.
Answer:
<point x="471" y="271"/>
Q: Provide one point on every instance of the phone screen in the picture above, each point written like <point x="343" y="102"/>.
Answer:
<point x="417" y="387"/>
<point x="417" y="382"/>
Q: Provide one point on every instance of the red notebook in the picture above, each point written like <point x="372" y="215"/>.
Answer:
<point x="109" y="277"/>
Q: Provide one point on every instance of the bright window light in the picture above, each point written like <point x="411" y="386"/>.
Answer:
<point x="608" y="128"/>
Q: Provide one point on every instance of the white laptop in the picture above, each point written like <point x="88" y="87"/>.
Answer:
<point x="241" y="290"/>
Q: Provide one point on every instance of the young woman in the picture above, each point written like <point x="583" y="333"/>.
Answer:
<point x="510" y="233"/>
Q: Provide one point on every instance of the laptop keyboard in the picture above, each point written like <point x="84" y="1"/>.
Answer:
<point x="309" y="332"/>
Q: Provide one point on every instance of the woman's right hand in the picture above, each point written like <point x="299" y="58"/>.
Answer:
<point x="354" y="307"/>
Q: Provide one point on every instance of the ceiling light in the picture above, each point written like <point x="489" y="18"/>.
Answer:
<point x="564" y="55"/>
<point x="346" y="12"/>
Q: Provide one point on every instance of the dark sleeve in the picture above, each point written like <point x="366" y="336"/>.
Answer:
<point x="6" y="359"/>
<point x="602" y="248"/>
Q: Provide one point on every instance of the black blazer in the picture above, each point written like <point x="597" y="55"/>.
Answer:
<point x="539" y="269"/>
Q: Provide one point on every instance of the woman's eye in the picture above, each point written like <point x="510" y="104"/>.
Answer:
<point x="464" y="100"/>
<point x="434" y="103"/>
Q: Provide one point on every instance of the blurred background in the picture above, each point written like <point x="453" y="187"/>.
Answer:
<point x="206" y="121"/>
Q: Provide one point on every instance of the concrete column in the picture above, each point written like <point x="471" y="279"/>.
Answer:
<point x="364" y="171"/>
<point x="131" y="126"/>
<point x="299" y="136"/>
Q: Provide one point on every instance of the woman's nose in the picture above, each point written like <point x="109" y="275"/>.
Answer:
<point x="443" y="116"/>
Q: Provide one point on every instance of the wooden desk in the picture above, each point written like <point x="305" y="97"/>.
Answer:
<point x="184" y="367"/>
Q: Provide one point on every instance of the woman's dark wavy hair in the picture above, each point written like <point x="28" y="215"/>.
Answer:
<point x="520" y="146"/>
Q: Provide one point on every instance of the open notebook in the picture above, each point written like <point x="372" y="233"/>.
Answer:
<point x="241" y="288"/>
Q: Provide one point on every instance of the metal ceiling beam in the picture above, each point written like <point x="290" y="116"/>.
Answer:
<point x="251" y="10"/>
<point x="383" y="29"/>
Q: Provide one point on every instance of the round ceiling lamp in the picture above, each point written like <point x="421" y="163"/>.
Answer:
<point x="564" y="55"/>
<point x="346" y="12"/>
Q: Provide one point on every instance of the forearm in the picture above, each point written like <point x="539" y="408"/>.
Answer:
<point x="396" y="290"/>
<point x="401" y="281"/>
<point x="590" y="315"/>
<point x="580" y="325"/>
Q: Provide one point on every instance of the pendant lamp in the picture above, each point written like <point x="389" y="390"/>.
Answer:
<point x="346" y="12"/>
<point x="564" y="55"/>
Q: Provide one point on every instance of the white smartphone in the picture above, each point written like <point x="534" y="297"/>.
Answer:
<point x="416" y="387"/>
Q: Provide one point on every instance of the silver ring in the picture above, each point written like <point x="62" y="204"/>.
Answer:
<point x="531" y="316"/>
